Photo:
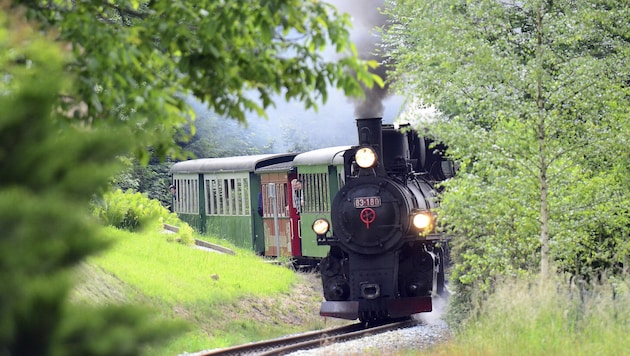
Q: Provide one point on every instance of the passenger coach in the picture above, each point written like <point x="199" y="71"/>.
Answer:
<point x="321" y="175"/>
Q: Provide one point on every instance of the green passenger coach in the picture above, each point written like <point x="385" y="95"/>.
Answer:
<point x="220" y="196"/>
<point x="321" y="174"/>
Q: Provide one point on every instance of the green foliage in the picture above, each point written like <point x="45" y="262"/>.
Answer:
<point x="152" y="179"/>
<point x="136" y="62"/>
<point x="534" y="104"/>
<point x="47" y="179"/>
<point x="134" y="211"/>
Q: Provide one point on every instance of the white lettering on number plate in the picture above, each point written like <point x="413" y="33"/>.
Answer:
<point x="367" y="202"/>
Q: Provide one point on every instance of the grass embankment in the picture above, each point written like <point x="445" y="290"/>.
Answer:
<point x="226" y="299"/>
<point x="527" y="319"/>
<point x="231" y="300"/>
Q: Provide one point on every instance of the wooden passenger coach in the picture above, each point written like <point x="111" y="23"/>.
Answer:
<point x="280" y="216"/>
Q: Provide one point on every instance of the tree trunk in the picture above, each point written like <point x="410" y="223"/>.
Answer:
<point x="544" y="216"/>
<point x="544" y="208"/>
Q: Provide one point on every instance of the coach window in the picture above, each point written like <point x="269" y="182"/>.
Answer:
<point x="214" y="196"/>
<point x="227" y="190"/>
<point x="228" y="196"/>
<point x="242" y="187"/>
<point x="233" y="197"/>
<point x="220" y="198"/>
<point x="192" y="189"/>
<point x="187" y="195"/>
<point x="177" y="202"/>
<point x="267" y="201"/>
<point x="298" y="196"/>
<point x="281" y="200"/>
<point x="316" y="195"/>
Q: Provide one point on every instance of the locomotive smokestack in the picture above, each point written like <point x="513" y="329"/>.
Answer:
<point x="371" y="134"/>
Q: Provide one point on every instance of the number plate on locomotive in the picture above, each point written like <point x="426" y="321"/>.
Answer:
<point x="367" y="202"/>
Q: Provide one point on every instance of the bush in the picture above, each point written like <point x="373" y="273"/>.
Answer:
<point x="134" y="211"/>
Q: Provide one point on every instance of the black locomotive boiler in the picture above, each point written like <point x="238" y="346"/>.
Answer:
<point x="385" y="260"/>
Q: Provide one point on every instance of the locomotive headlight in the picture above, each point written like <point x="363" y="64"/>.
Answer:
<point x="423" y="221"/>
<point x="321" y="226"/>
<point x="365" y="157"/>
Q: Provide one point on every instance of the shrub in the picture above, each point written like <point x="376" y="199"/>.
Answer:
<point x="134" y="211"/>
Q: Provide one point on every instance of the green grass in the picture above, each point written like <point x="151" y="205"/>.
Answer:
<point x="226" y="299"/>
<point x="529" y="319"/>
<point x="178" y="273"/>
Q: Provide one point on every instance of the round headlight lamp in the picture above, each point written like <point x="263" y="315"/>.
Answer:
<point x="423" y="221"/>
<point x="321" y="226"/>
<point x="365" y="157"/>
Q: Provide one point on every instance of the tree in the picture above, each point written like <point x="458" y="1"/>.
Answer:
<point x="535" y="103"/>
<point x="47" y="179"/>
<point x="135" y="61"/>
<point x="213" y="136"/>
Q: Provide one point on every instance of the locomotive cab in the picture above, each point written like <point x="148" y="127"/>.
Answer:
<point x="382" y="261"/>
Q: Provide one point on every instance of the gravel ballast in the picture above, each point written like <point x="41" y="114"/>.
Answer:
<point x="419" y="337"/>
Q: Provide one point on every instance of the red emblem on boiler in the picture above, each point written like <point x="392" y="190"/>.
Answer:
<point x="367" y="215"/>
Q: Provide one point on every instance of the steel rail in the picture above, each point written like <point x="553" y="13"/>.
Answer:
<point x="309" y="340"/>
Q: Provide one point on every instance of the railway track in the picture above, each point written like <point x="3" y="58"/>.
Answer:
<point x="307" y="341"/>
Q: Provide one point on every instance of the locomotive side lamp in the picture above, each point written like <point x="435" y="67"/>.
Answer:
<point x="423" y="221"/>
<point x="365" y="157"/>
<point x="321" y="227"/>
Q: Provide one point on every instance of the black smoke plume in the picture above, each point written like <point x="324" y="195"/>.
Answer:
<point x="367" y="19"/>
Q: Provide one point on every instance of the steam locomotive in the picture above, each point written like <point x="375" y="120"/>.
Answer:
<point x="379" y="259"/>
<point x="386" y="260"/>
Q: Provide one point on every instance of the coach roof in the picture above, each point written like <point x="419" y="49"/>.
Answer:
<point x="231" y="164"/>
<point x="322" y="156"/>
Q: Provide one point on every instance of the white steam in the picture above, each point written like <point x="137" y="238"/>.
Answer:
<point x="434" y="317"/>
